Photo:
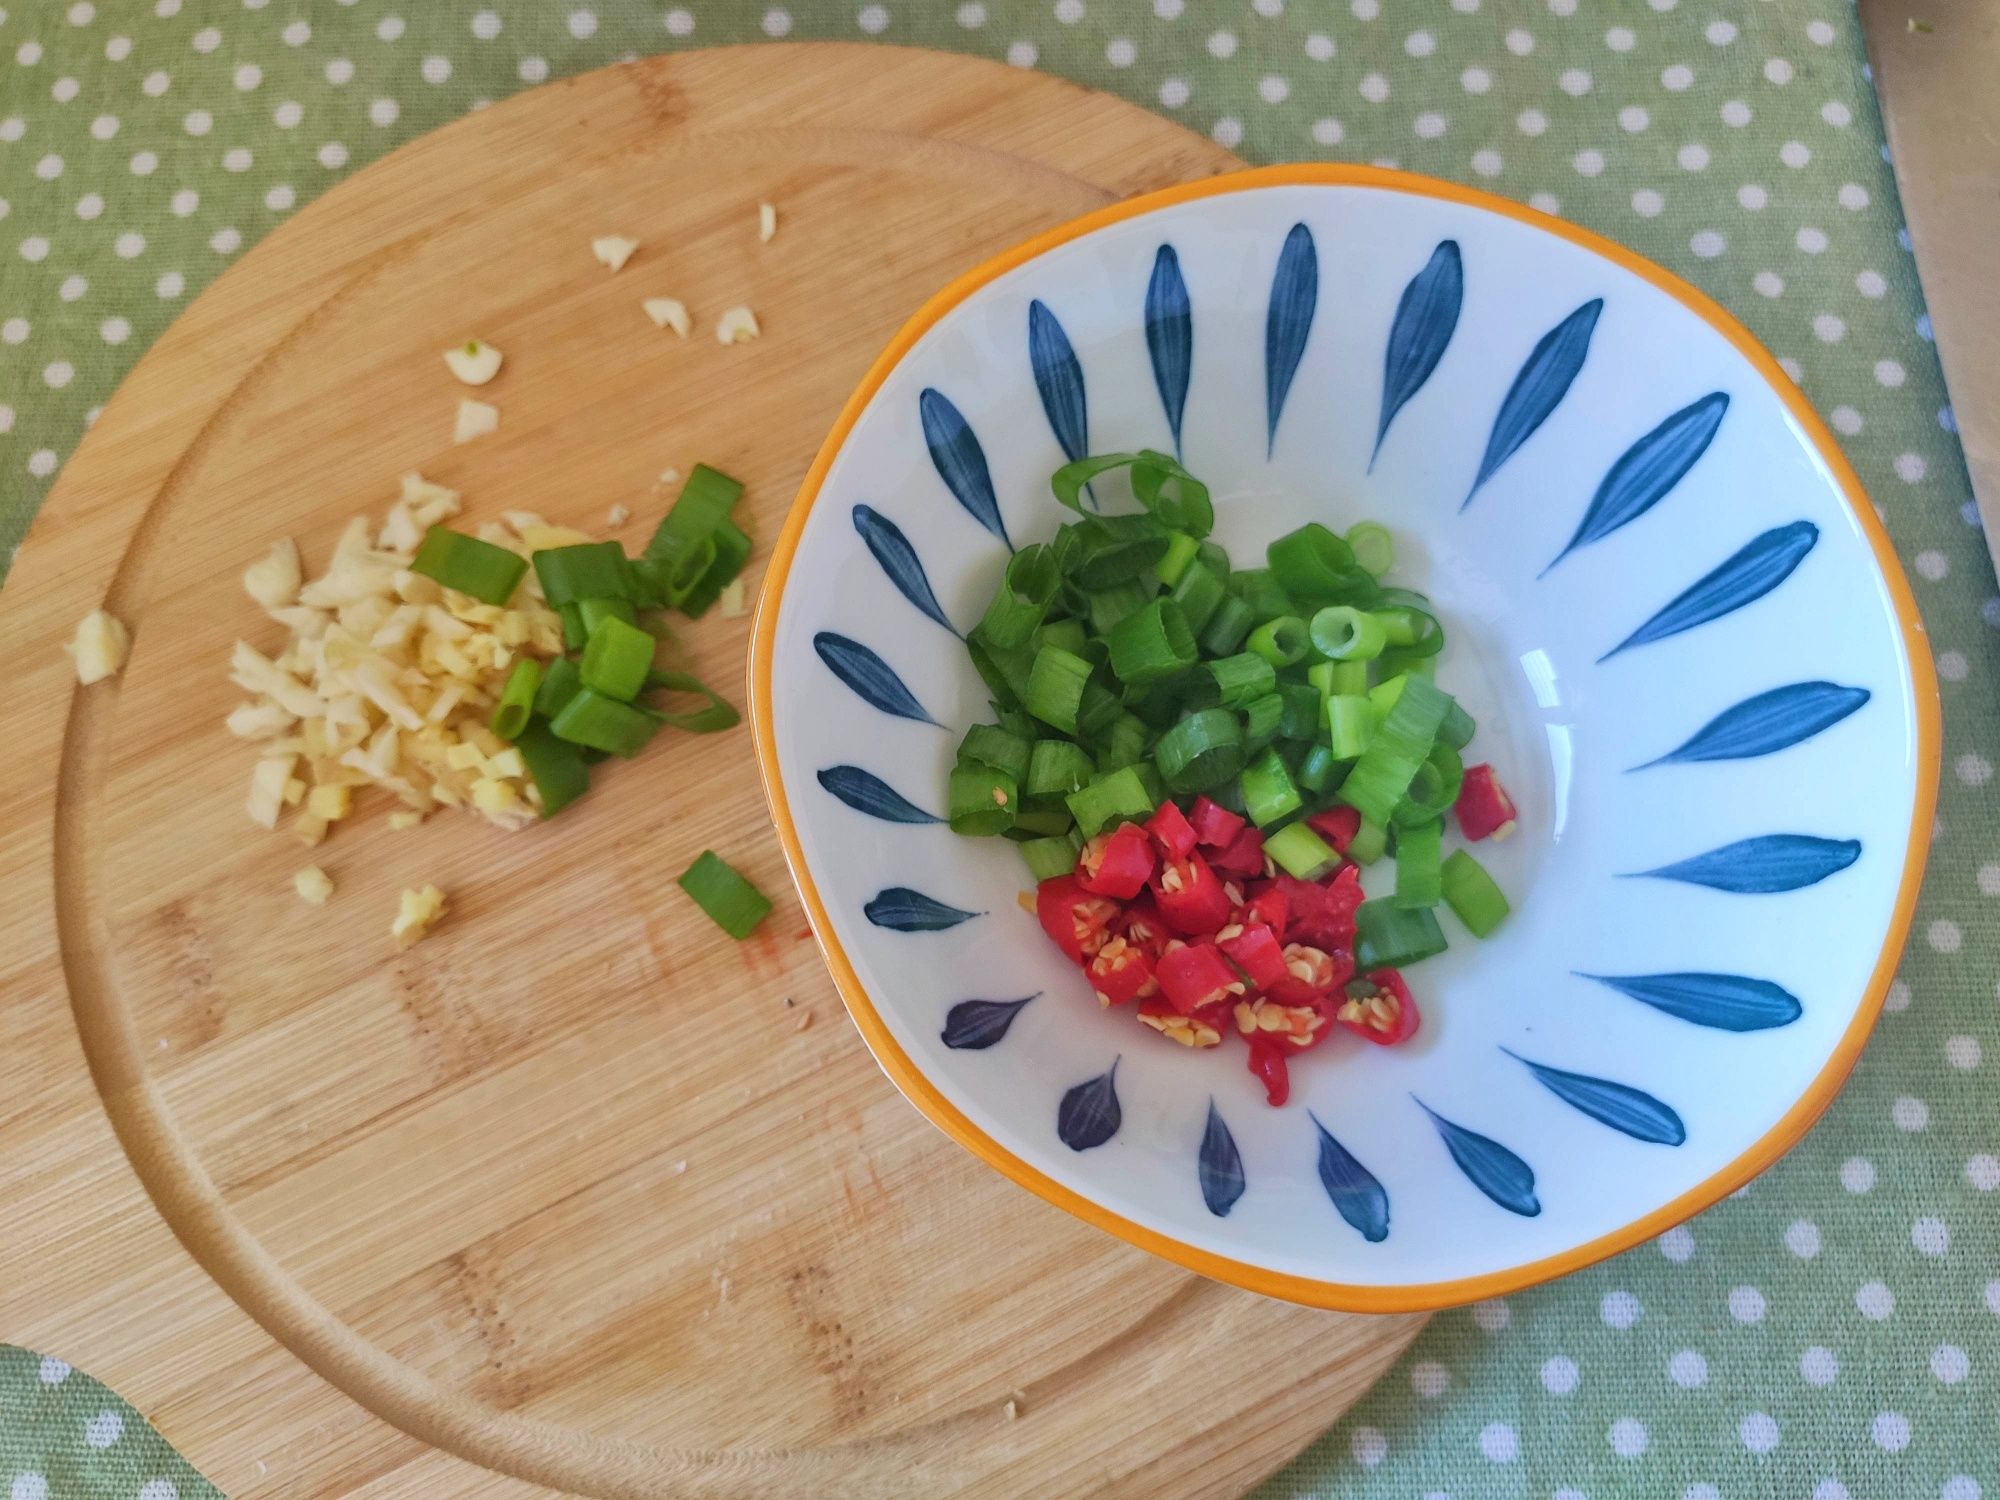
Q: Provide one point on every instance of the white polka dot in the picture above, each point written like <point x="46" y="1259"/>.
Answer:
<point x="1802" y="1238"/>
<point x="1953" y="667"/>
<point x="1888" y="373"/>
<point x="1931" y="1236"/>
<point x="287" y="115"/>
<point x="1830" y="1489"/>
<point x="1487" y="163"/>
<point x="1752" y="196"/>
<point x="52" y="1371"/>
<point x="1520" y="42"/>
<point x="1778" y="71"/>
<point x="1736" y="113"/>
<point x="1328" y="132"/>
<point x="1491" y="1316"/>
<point x="72" y="288"/>
<point x="486" y="25"/>
<point x="29" y="1485"/>
<point x="156" y="84"/>
<point x="384" y="111"/>
<point x="248" y="76"/>
<point x="1688" y="1369"/>
<point x="389" y="28"/>
<point x="1420" y="44"/>
<point x="1857" y="1174"/>
<point x="1574" y="81"/>
<point x="1759" y="1432"/>
<point x="1829" y="329"/>
<point x="1677" y="1244"/>
<point x="297" y="34"/>
<point x="1708" y="244"/>
<point x="1720" y="33"/>
<point x="1874" y="1301"/>
<point x="1369" y="1446"/>
<point x="114" y="330"/>
<point x="582" y="24"/>
<point x="1960" y="1487"/>
<point x="1910" y="467"/>
<point x="333" y="156"/>
<point x="16" y="330"/>
<point x="64" y="89"/>
<point x="1794" y="154"/>
<point x="1820" y="33"/>
<point x="118" y="48"/>
<point x="1746" y="1304"/>
<point x="340" y="70"/>
<point x="1647" y="204"/>
<point x="1227" y="131"/>
<point x="1122" y="52"/>
<point x="1174" y="92"/>
<point x="58" y="373"/>
<point x="1475" y="80"/>
<point x="1811" y="240"/>
<point x="530" y="70"/>
<point x="28" y="54"/>
<point x="197" y="122"/>
<point x="1022" y="54"/>
<point x="1870" y="284"/>
<point x="1621" y="39"/>
<point x="104" y="127"/>
<point x="971" y="15"/>
<point x="1374" y="87"/>
<point x="130" y="245"/>
<point x="1320" y="47"/>
<point x="90" y="206"/>
<point x="1818" y="1366"/>
<point x="42" y="463"/>
<point x="1531" y="122"/>
<point x="82" y="13"/>
<point x="102" y="1430"/>
<point x="1498" y="1442"/>
<point x="1701" y="1490"/>
<point x="279" y="197"/>
<point x="1588" y="163"/>
<point x="1992" y="1298"/>
<point x="1950" y="1364"/>
<point x="1836" y="114"/>
<point x="1222" y="44"/>
<point x="435" y="69"/>
<point x="1768" y="284"/>
<point x="169" y="286"/>
<point x="679" y="22"/>
<point x="1559" y="1375"/>
<point x="1678" y="79"/>
<point x="184" y="203"/>
<point x="49" y="168"/>
<point x="1273" y="89"/>
<point x="1619" y="1309"/>
<point x="1546" y="203"/>
<point x="236" y="159"/>
<point x="1429" y="1379"/>
<point x="1069" y="12"/>
<point x="13" y="128"/>
<point x="873" y="19"/>
<point x="1429" y="125"/>
<point x="1891" y="1431"/>
<point x="225" y="241"/>
<point x="1632" y="119"/>
<point x="1364" y="10"/>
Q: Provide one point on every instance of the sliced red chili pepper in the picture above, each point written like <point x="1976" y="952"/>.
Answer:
<point x="1194" y="975"/>
<point x="1244" y="855"/>
<point x="1267" y="907"/>
<point x="1309" y="973"/>
<point x="1141" y="925"/>
<point x="1256" y="952"/>
<point x="1121" y="971"/>
<point x="1190" y="896"/>
<point x="1204" y="1028"/>
<point x="1075" y="920"/>
<point x="1380" y="1008"/>
<point x="1337" y="825"/>
<point x="1116" y="864"/>
<point x="1267" y="1065"/>
<point x="1172" y="831"/>
<point x="1214" y="825"/>
<point x="1322" y="914"/>
<point x="1484" y="808"/>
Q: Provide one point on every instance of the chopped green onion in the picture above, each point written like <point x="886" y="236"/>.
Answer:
<point x="1268" y="791"/>
<point x="1199" y="751"/>
<point x="1110" y="605"/>
<point x="1112" y="796"/>
<point x="1389" y="937"/>
<point x="1026" y="590"/>
<point x="560" y="683"/>
<point x="1181" y="550"/>
<point x="982" y="800"/>
<point x="1433" y="789"/>
<point x="1055" y="687"/>
<point x="1039" y="818"/>
<point x="1068" y="634"/>
<point x="1048" y="858"/>
<point x="1282" y="642"/>
<point x="1057" y="768"/>
<point x="1372" y="546"/>
<point x="703" y="506"/>
<point x="715" y="715"/>
<point x="1350" y="724"/>
<point x="1174" y="496"/>
<point x="1004" y="670"/>
<point x="1300" y="852"/>
<point x="1260" y="589"/>
<point x="1312" y="563"/>
<point x="1151" y="644"/>
<point x="1458" y="727"/>
<point x="990" y="745"/>
<point x="1401" y="744"/>
<point x="1302" y="718"/>
<point x="589" y="570"/>
<point x="1417" y="854"/>
<point x="1212" y="556"/>
<point x="1413" y="632"/>
<point x="1114" y="549"/>
<point x="1316" y="771"/>
<point x="474" y="568"/>
<point x="1261" y="720"/>
<point x="730" y="551"/>
<point x="594" y="612"/>
<point x="617" y="659"/>
<point x="1382" y="697"/>
<point x="1124" y="743"/>
<point x="1370" y="843"/>
<point x="1199" y="594"/>
<point x="1471" y="894"/>
<point x="555" y="765"/>
<point x="517" y="699"/>
<point x="732" y="903"/>
<point x="573" y="634"/>
<point x="1403" y="661"/>
<point x="1348" y="677"/>
<point x="1340" y="632"/>
<point x="1227" y="627"/>
<point x="1099" y="710"/>
<point x="598" y="722"/>
<point x="1242" y="677"/>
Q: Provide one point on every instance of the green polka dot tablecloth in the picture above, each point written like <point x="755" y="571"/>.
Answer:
<point x="1830" y="1333"/>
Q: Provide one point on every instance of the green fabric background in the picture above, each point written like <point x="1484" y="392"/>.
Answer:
<point x="1834" y="1330"/>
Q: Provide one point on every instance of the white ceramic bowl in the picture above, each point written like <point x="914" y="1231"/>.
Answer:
<point x="1716" y="711"/>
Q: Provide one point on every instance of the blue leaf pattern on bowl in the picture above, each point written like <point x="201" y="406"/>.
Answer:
<point x="1170" y="337"/>
<point x="899" y="560"/>
<point x="1647" y="470"/>
<point x="1219" y="1166"/>
<point x="1767" y="723"/>
<point x="901" y="909"/>
<point x="1288" y="323"/>
<point x="1760" y="866"/>
<point x="1426" y="318"/>
<point x="975" y="1025"/>
<point x="960" y="461"/>
<point x="1723" y="1002"/>
<point x="1059" y="378"/>
<point x="1356" y="1195"/>
<point x="870" y="677"/>
<point x="1760" y="566"/>
<point x="868" y="793"/>
<point x="1490" y="1166"/>
<point x="1538" y="389"/>
<point x="1619" y="1105"/>
<point x="1089" y="1114"/>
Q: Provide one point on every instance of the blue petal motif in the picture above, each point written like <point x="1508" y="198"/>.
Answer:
<point x="1724" y="1002"/>
<point x="1426" y="318"/>
<point x="1763" y="563"/>
<point x="975" y="1025"/>
<point x="1089" y="1114"/>
<point x="1219" y="1165"/>
<point x="866" y="792"/>
<point x="1294" y="294"/>
<point x="899" y="560"/>
<point x="1493" y="1169"/>
<point x="960" y="461"/>
<point x="1059" y="378"/>
<point x="1759" y="866"/>
<point x="1647" y="470"/>
<point x="1768" y="723"/>
<point x="870" y="677"/>
<point x="903" y="910"/>
<point x="1352" y="1187"/>
<point x="1619" y="1105"/>
<point x="1170" y="337"/>
<point x="1538" y="389"/>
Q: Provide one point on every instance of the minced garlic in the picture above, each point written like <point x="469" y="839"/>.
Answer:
<point x="416" y="913"/>
<point x="668" y="312"/>
<point x="473" y="362"/>
<point x="99" y="647"/>
<point x="737" y="325"/>
<point x="613" y="250"/>
<point x="475" y="419"/>
<point x="313" y="885"/>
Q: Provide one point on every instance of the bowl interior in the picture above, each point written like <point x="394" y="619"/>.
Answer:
<point x="1540" y="1114"/>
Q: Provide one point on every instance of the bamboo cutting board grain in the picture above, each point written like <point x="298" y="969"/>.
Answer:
<point x="572" y="1189"/>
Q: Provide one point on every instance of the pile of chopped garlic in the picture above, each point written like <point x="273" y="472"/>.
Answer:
<point x="386" y="679"/>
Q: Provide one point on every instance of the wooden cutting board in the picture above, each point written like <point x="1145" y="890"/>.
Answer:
<point x="574" y="1189"/>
